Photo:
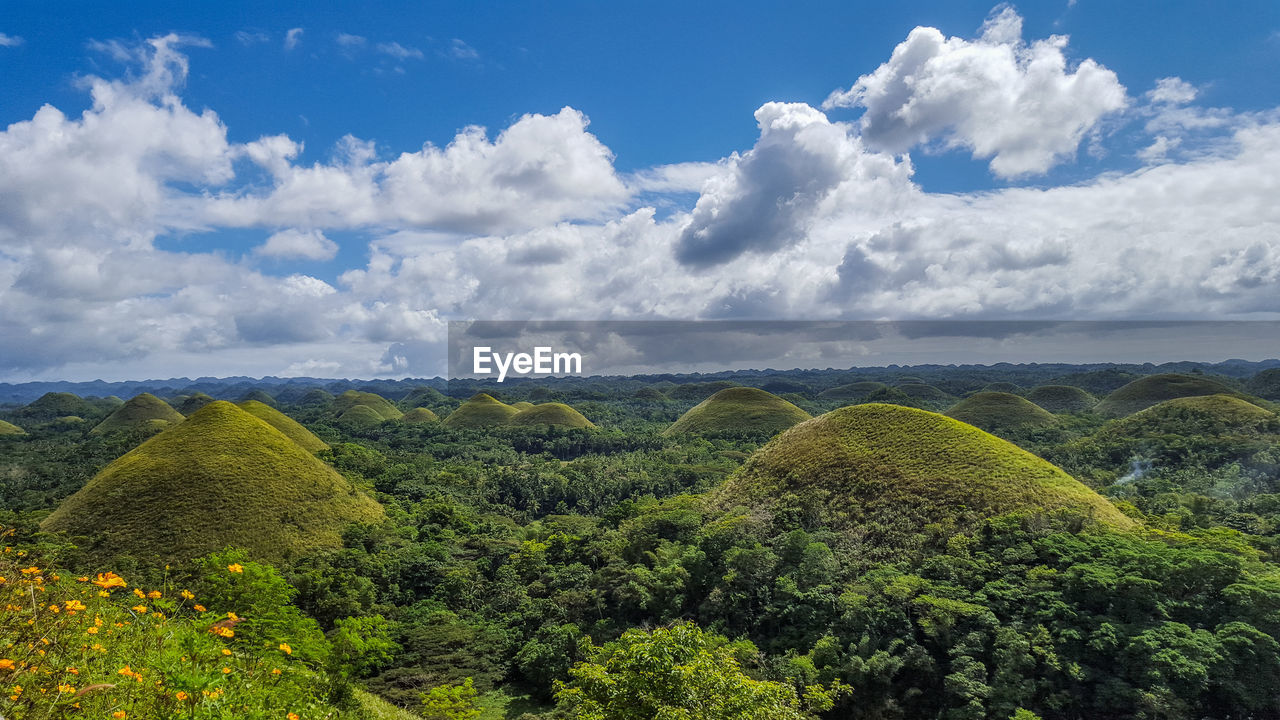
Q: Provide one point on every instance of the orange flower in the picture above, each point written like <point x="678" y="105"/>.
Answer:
<point x="292" y="716"/>
<point x="199" y="608"/>
<point x="181" y="695"/>
<point x="140" y="609"/>
<point x="153" y="595"/>
<point x="226" y="671"/>
<point x="284" y="647"/>
<point x="31" y="570"/>
<point x="225" y="632"/>
<point x="73" y="605"/>
<point x="226" y="651"/>
<point x="6" y="664"/>
<point x="187" y="595"/>
<point x="119" y="715"/>
<point x="275" y="671"/>
<point x="106" y="581"/>
<point x="233" y="567"/>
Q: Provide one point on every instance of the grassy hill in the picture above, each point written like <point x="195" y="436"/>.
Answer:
<point x="650" y="393"/>
<point x="381" y="406"/>
<point x="523" y="405"/>
<point x="852" y="391"/>
<point x="221" y="478"/>
<point x="257" y="395"/>
<point x="481" y="411"/>
<point x="419" y="415"/>
<point x="1265" y="384"/>
<point x="361" y="416"/>
<point x="927" y="395"/>
<point x="1214" y="415"/>
<point x="285" y="424"/>
<point x="700" y="390"/>
<point x="316" y="397"/>
<point x="1153" y="389"/>
<point x="998" y="412"/>
<point x="423" y="396"/>
<point x="555" y="414"/>
<point x="1062" y="399"/>
<point x="187" y="404"/>
<point x="738" y="410"/>
<point x="1002" y="387"/>
<point x="8" y="428"/>
<point x="142" y="411"/>
<point x="888" y="471"/>
<point x="53" y="405"/>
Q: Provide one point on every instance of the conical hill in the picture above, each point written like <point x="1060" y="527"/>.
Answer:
<point x="738" y="410"/>
<point x="139" y="412"/>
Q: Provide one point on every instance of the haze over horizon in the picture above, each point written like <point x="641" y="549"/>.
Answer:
<point x="303" y="193"/>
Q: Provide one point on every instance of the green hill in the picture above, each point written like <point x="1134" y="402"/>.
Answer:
<point x="650" y="393"/>
<point x="315" y="396"/>
<point x="187" y="404"/>
<point x="257" y="395"/>
<point x="1265" y="384"/>
<point x="555" y="414"/>
<point x="1062" y="399"/>
<point x="1002" y="387"/>
<point x="523" y="405"/>
<point x="1213" y="415"/>
<point x="738" y="410"/>
<point x="699" y="391"/>
<point x="1153" y="389"/>
<point x="380" y="406"/>
<point x="221" y="478"/>
<point x="481" y="411"/>
<point x="927" y="395"/>
<point x="142" y="411"/>
<point x="8" y="428"/>
<point x="998" y="412"/>
<point x="888" y="471"/>
<point x="285" y="424"/>
<point x="361" y="416"/>
<point x="852" y="391"/>
<point x="419" y="415"/>
<point x="55" y="405"/>
<point x="423" y="396"/>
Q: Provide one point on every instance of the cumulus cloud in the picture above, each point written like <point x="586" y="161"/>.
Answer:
<point x="1015" y="103"/>
<point x="292" y="38"/>
<point x="303" y="244"/>
<point x="10" y="40"/>
<point x="764" y="199"/>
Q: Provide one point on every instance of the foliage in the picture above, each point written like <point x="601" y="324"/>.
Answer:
<point x="999" y="412"/>
<point x="738" y="410"/>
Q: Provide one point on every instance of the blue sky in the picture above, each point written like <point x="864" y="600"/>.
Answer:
<point x="734" y="161"/>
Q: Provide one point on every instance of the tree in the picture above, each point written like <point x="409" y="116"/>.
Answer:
<point x="450" y="702"/>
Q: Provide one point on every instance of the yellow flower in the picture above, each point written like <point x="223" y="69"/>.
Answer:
<point x="154" y="595"/>
<point x="141" y="595"/>
<point x="187" y="595"/>
<point x="225" y="632"/>
<point x="226" y="651"/>
<point x="140" y="609"/>
<point x="292" y="716"/>
<point x="31" y="570"/>
<point x="226" y="671"/>
<point x="181" y="695"/>
<point x="119" y="715"/>
<point x="199" y="608"/>
<point x="92" y="631"/>
<point x="64" y="688"/>
<point x="106" y="581"/>
<point x="232" y="616"/>
<point x="233" y="567"/>
<point x="275" y="671"/>
<point x="6" y="664"/>
<point x="284" y="647"/>
<point x="73" y="605"/>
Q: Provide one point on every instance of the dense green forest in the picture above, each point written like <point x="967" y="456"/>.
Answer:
<point x="1007" y="542"/>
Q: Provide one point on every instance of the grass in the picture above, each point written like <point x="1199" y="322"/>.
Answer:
<point x="285" y="424"/>
<point x="885" y="472"/>
<point x="422" y="396"/>
<point x="361" y="416"/>
<point x="852" y="391"/>
<point x="926" y="394"/>
<point x="8" y="428"/>
<point x="1062" y="399"/>
<point x="738" y="410"/>
<point x="1154" y="389"/>
<point x="523" y="405"/>
<point x="481" y="411"/>
<point x="256" y="395"/>
<point x="1000" y="411"/>
<point x="555" y="414"/>
<point x="142" y="411"/>
<point x="316" y="396"/>
<point x="380" y="405"/>
<point x="221" y="478"/>
<point x="420" y="415"/>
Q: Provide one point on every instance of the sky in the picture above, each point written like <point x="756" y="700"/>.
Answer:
<point x="319" y="188"/>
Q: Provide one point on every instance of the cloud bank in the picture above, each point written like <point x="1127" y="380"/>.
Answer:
<point x="109" y="263"/>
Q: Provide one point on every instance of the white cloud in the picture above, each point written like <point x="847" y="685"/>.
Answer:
<point x="1015" y="103"/>
<point x="459" y="50"/>
<point x="252" y="37"/>
<point x="292" y="38"/>
<point x="400" y="52"/>
<point x="348" y="40"/>
<point x="303" y="244"/>
<point x="10" y="40"/>
<point x="1173" y="91"/>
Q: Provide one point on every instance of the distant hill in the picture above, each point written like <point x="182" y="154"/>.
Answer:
<point x="998" y="412"/>
<point x="145" y="411"/>
<point x="221" y="478"/>
<point x="421" y="397"/>
<point x="852" y="391"/>
<point x="481" y="411"/>
<point x="1213" y="415"/>
<point x="554" y="414"/>
<point x="379" y="405"/>
<point x="316" y="396"/>
<point x="187" y="404"/>
<point x="698" y="391"/>
<point x="260" y="396"/>
<point x="1265" y="384"/>
<point x="928" y="395"/>
<point x="1153" y="389"/>
<point x="1062" y="399"/>
<point x="8" y="428"/>
<point x="738" y="410"/>
<point x="291" y="428"/>
<point x="1002" y="387"/>
<point x="885" y="472"/>
<point x="361" y="416"/>
<point x="419" y="415"/>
